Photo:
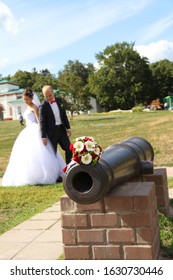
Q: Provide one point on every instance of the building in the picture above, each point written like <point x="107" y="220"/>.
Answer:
<point x="11" y="102"/>
<point x="96" y="107"/>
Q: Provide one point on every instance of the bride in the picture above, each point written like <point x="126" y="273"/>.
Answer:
<point x="31" y="162"/>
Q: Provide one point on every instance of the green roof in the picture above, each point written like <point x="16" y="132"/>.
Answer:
<point x="7" y="82"/>
<point x="16" y="100"/>
<point x="20" y="90"/>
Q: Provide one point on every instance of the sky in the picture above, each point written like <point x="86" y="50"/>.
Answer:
<point x="45" y="34"/>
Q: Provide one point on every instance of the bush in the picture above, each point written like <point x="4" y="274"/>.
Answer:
<point x="137" y="109"/>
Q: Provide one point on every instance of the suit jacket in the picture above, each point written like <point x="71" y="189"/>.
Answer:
<point x="47" y="119"/>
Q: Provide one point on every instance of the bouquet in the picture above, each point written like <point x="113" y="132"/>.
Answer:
<point x="85" y="150"/>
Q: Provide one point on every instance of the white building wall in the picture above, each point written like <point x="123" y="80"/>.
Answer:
<point x="17" y="107"/>
<point x="96" y="108"/>
<point x="9" y="102"/>
<point x="6" y="87"/>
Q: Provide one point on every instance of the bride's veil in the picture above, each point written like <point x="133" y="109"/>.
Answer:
<point x="36" y="100"/>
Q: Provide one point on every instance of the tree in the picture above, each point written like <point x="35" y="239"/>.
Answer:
<point x="123" y="79"/>
<point x="35" y="80"/>
<point x="162" y="72"/>
<point x="72" y="83"/>
<point x="23" y="79"/>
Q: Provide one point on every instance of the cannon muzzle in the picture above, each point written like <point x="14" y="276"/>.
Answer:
<point x="87" y="184"/>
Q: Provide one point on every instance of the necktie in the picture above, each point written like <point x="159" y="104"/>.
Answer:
<point x="51" y="102"/>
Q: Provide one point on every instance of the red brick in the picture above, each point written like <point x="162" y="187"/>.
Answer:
<point x="66" y="203"/>
<point x="158" y="177"/>
<point x="154" y="207"/>
<point x="159" y="190"/>
<point x="161" y="201"/>
<point x="109" y="252"/>
<point x="74" y="220"/>
<point x="136" y="252"/>
<point x="120" y="235"/>
<point x="156" y="244"/>
<point x="97" y="206"/>
<point x="145" y="235"/>
<point x="69" y="236"/>
<point x="103" y="220"/>
<point x="118" y="203"/>
<point x="144" y="195"/>
<point x="138" y="219"/>
<point x="161" y="172"/>
<point x="77" y="253"/>
<point x="91" y="236"/>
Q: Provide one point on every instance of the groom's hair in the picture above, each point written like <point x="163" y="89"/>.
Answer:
<point x="46" y="87"/>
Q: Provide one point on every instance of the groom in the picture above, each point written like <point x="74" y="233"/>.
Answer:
<point x="54" y="123"/>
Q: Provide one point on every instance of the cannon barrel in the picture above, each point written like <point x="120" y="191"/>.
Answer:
<point x="87" y="184"/>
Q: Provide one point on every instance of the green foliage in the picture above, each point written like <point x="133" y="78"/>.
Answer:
<point x="72" y="82"/>
<point x="123" y="78"/>
<point x="162" y="72"/>
<point x="137" y="109"/>
<point x="166" y="236"/>
<point x="35" y="80"/>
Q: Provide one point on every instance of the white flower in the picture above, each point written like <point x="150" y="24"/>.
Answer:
<point x="80" y="138"/>
<point x="89" y="145"/>
<point x="79" y="146"/>
<point x="97" y="150"/>
<point x="86" y="159"/>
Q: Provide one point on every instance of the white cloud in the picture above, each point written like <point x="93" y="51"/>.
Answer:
<point x="60" y="25"/>
<point x="158" y="27"/>
<point x="7" y="20"/>
<point x="156" y="51"/>
<point x="47" y="29"/>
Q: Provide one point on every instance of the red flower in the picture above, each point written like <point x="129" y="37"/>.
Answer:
<point x="80" y="153"/>
<point x="64" y="169"/>
<point x="76" y="158"/>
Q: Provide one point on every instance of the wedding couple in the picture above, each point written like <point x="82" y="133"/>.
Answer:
<point x="34" y="158"/>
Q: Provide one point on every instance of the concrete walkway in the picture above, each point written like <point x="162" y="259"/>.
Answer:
<point x="39" y="238"/>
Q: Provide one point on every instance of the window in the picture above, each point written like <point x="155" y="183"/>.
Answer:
<point x="19" y="110"/>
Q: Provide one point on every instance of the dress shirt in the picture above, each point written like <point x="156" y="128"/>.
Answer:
<point x="56" y="113"/>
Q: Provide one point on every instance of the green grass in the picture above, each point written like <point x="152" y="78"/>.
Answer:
<point x="166" y="235"/>
<point x="108" y="129"/>
<point x="19" y="204"/>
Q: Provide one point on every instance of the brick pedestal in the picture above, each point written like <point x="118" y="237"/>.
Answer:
<point x="161" y="184"/>
<point x="123" y="225"/>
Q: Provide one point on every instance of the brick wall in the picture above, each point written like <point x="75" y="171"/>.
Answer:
<point x="161" y="184"/>
<point x="122" y="225"/>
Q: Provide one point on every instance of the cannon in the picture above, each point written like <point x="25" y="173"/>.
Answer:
<point x="120" y="162"/>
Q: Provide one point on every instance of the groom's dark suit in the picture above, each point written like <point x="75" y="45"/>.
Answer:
<point x="56" y="133"/>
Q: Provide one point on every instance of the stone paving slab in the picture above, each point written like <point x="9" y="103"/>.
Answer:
<point x="8" y="250"/>
<point x="49" y="216"/>
<point x="40" y="251"/>
<point x="22" y="236"/>
<point x="49" y="236"/>
<point x="35" y="224"/>
<point x="38" y="238"/>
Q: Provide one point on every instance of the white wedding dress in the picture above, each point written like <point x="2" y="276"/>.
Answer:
<point x="31" y="162"/>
